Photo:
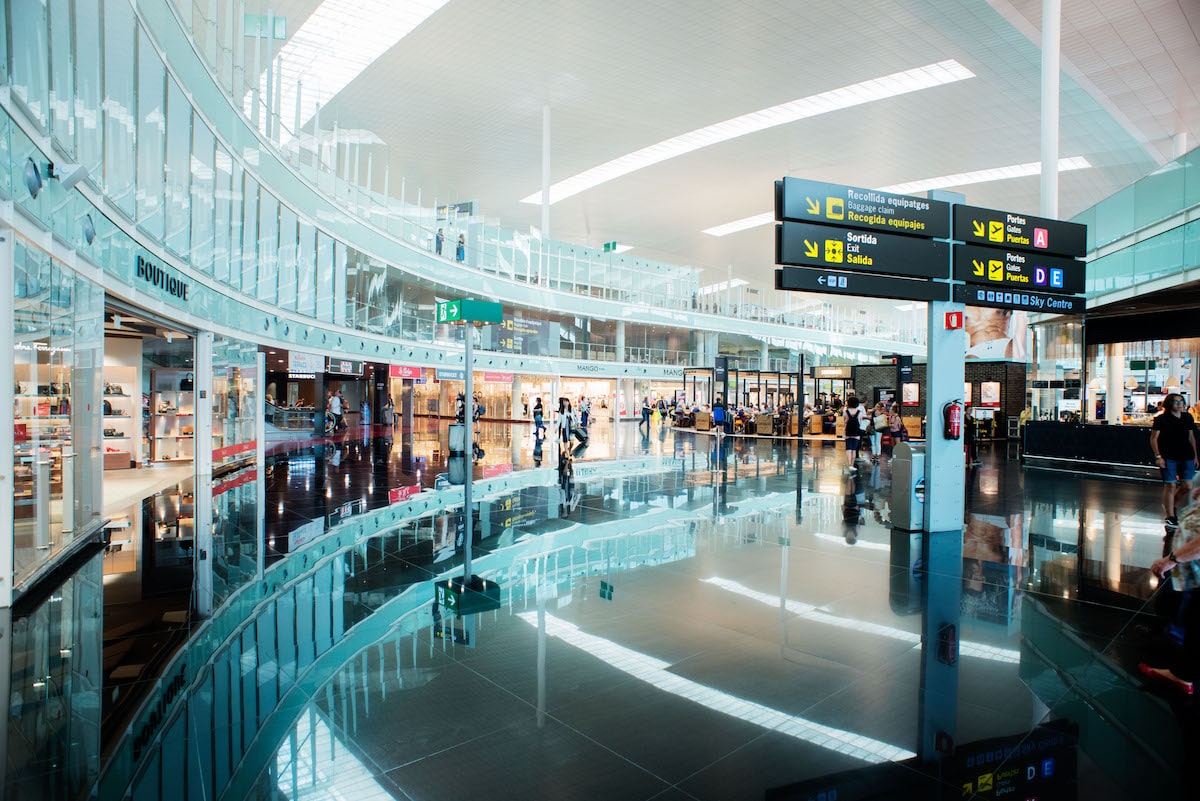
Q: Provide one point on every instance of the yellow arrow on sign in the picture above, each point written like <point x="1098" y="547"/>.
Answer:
<point x="814" y="206"/>
<point x="978" y="265"/>
<point x="977" y="226"/>
<point x="810" y="249"/>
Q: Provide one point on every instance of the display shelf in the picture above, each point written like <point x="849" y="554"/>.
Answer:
<point x="118" y="399"/>
<point x="172" y="410"/>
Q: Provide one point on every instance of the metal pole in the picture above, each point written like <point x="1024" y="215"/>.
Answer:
<point x="1051" y="49"/>
<point x="545" y="221"/>
<point x="469" y="456"/>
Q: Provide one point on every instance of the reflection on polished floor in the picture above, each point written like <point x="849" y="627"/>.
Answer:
<point x="683" y="617"/>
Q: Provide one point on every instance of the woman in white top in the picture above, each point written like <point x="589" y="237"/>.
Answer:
<point x="565" y="419"/>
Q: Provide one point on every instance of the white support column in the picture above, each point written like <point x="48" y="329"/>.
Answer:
<point x="945" y="459"/>
<point x="1114" y="396"/>
<point x="6" y="446"/>
<point x="260" y="465"/>
<point x="764" y="356"/>
<point x="545" y="173"/>
<point x="620" y="340"/>
<point x="203" y="550"/>
<point x="1051" y="36"/>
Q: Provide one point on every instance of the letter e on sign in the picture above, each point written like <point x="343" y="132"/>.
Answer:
<point x="954" y="320"/>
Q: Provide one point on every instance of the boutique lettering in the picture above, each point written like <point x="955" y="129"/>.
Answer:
<point x="156" y="276"/>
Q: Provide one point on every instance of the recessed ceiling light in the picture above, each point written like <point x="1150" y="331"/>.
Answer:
<point x="844" y="97"/>
<point x="958" y="179"/>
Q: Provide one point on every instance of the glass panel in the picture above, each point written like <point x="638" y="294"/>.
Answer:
<point x="287" y="258"/>
<point x="222" y="194"/>
<point x="54" y="703"/>
<point x="324" y="277"/>
<point x="62" y="76"/>
<point x="202" y="196"/>
<point x="30" y="51"/>
<point x="235" y="473"/>
<point x="235" y="226"/>
<point x="56" y="438"/>
<point x="89" y="137"/>
<point x="179" y="168"/>
<point x="250" y="236"/>
<point x="152" y="128"/>
<point x="119" y="106"/>
<point x="306" y="289"/>
<point x="268" y="247"/>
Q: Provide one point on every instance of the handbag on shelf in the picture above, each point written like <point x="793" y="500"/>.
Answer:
<point x="187" y="382"/>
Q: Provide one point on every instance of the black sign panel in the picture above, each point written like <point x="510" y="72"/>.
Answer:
<point x="1016" y="269"/>
<point x="811" y="279"/>
<point x="1003" y="229"/>
<point x="862" y="251"/>
<point x="1009" y="299"/>
<point x="834" y="204"/>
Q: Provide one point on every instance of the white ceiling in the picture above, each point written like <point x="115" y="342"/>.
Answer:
<point x="459" y="102"/>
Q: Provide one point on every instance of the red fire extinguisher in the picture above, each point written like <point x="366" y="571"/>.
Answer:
<point x="952" y="420"/>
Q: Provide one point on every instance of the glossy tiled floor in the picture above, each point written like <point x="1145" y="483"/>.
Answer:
<point x="682" y="620"/>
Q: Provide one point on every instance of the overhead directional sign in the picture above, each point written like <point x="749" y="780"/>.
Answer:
<point x="848" y="206"/>
<point x="1014" y="268"/>
<point x="1003" y="229"/>
<point x="861" y="251"/>
<point x="811" y="279"/>
<point x="1008" y="299"/>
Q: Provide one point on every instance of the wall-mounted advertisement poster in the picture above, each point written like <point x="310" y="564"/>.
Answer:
<point x="996" y="334"/>
<point x="989" y="394"/>
<point x="910" y="394"/>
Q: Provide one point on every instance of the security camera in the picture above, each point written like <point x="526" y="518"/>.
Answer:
<point x="68" y="175"/>
<point x="33" y="178"/>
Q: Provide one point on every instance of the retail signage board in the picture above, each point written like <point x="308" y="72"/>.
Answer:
<point x="398" y="494"/>
<point x="996" y="267"/>
<point x="469" y="311"/>
<point x="811" y="279"/>
<point x="498" y="378"/>
<point x="344" y="367"/>
<point x="305" y="362"/>
<point x="404" y="371"/>
<point x="809" y="245"/>
<point x="805" y="201"/>
<point x="1004" y="229"/>
<point x="445" y="374"/>
<point x="1027" y="301"/>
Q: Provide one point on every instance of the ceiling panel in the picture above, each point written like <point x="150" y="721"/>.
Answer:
<point x="459" y="102"/>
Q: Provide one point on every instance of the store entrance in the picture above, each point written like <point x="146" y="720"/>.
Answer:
<point x="149" y="433"/>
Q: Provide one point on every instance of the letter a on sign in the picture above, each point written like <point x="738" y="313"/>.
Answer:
<point x="1041" y="238"/>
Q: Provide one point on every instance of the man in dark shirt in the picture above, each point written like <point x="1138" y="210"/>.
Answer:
<point x="1173" y="441"/>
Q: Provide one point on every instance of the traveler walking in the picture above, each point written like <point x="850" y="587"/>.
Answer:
<point x="1173" y="440"/>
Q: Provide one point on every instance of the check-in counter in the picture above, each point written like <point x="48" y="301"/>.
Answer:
<point x="764" y="425"/>
<point x="703" y="421"/>
<point x="1090" y="448"/>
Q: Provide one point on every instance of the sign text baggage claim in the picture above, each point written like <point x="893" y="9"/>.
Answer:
<point x="872" y="208"/>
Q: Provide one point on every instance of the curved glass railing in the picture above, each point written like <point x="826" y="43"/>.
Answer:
<point x="1147" y="231"/>
<point x="505" y="252"/>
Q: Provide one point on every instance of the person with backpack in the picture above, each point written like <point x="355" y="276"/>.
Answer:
<point x="856" y="425"/>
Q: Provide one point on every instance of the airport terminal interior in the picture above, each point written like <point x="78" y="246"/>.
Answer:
<point x="711" y="401"/>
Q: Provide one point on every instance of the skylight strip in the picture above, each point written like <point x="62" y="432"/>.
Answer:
<point x="655" y="673"/>
<point x="811" y="613"/>
<point x="984" y="176"/>
<point x="337" y="42"/>
<point x="959" y="179"/>
<point x="893" y="85"/>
